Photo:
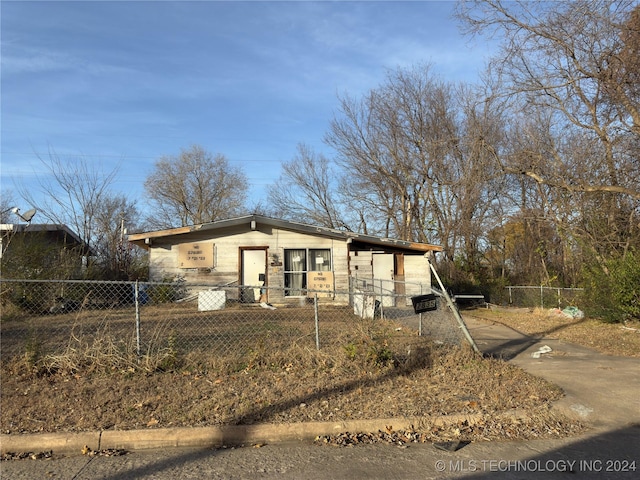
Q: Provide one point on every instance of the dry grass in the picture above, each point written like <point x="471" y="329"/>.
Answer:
<point x="296" y="384"/>
<point x="370" y="370"/>
<point x="607" y="338"/>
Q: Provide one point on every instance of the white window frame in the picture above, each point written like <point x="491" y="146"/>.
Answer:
<point x="300" y="290"/>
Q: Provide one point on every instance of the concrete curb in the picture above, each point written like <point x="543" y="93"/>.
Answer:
<point x="217" y="436"/>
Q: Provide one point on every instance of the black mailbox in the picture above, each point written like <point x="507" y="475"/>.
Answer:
<point x="425" y="303"/>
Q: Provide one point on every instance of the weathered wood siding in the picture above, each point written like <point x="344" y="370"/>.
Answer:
<point x="361" y="264"/>
<point x="226" y="270"/>
<point x="417" y="276"/>
<point x="228" y="244"/>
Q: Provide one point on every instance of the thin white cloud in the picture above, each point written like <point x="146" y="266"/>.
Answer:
<point x="31" y="60"/>
<point x="246" y="79"/>
<point x="23" y="59"/>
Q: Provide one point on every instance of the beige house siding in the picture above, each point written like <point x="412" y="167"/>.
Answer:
<point x="226" y="270"/>
<point x="414" y="277"/>
<point x="351" y="255"/>
<point x="361" y="264"/>
<point x="417" y="276"/>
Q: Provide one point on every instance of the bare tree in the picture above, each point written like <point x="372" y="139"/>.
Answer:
<point x="568" y="59"/>
<point x="620" y="76"/>
<point x="413" y="151"/>
<point x="7" y="202"/>
<point x="381" y="165"/>
<point x="569" y="73"/>
<point x="72" y="189"/>
<point x="119" y="259"/>
<point x="307" y="191"/>
<point x="68" y="191"/>
<point x="194" y="187"/>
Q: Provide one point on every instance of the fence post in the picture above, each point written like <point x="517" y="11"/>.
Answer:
<point x="455" y="311"/>
<point x="541" y="297"/>
<point x="137" y="300"/>
<point x="315" y="307"/>
<point x="420" y="317"/>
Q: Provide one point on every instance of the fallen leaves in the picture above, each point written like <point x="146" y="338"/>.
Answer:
<point x="488" y="427"/>
<point x="27" y="455"/>
<point x="270" y="395"/>
<point x="105" y="452"/>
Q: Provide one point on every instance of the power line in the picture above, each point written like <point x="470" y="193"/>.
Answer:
<point x="125" y="157"/>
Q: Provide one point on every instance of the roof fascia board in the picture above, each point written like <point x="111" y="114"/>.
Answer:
<point x="39" y="227"/>
<point x="286" y="225"/>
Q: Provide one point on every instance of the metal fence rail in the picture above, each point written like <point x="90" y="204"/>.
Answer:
<point x="543" y="297"/>
<point x="56" y="317"/>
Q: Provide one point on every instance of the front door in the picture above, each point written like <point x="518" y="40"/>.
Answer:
<point x="383" y="277"/>
<point x="253" y="268"/>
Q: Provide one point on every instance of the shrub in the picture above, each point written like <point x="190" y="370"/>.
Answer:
<point x="612" y="292"/>
<point x="168" y="291"/>
<point x="625" y="275"/>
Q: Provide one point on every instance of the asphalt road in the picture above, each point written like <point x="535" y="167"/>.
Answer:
<point x="604" y="454"/>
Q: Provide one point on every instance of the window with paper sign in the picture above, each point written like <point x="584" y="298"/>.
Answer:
<point x="298" y="265"/>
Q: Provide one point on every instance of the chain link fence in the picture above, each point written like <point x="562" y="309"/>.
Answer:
<point x="543" y="297"/>
<point x="168" y="321"/>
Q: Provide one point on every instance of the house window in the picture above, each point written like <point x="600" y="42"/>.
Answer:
<point x="297" y="262"/>
<point x="319" y="260"/>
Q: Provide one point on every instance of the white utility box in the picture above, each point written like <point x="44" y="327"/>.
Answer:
<point x="211" y="300"/>
<point x="364" y="304"/>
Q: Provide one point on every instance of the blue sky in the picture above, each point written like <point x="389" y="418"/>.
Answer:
<point x="123" y="83"/>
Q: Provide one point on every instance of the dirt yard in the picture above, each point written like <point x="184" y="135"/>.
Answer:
<point x="367" y="376"/>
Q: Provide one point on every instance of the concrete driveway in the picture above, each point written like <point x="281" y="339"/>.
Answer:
<point x="601" y="389"/>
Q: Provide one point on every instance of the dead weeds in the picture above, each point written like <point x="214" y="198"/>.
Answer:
<point x="367" y="374"/>
<point x="297" y="384"/>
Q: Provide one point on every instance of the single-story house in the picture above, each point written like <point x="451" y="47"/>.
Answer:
<point x="28" y="250"/>
<point x="55" y="235"/>
<point x="293" y="260"/>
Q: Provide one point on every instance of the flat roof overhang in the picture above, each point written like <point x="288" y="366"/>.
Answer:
<point x="253" y="222"/>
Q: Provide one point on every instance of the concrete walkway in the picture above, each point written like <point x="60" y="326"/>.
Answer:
<point x="603" y="391"/>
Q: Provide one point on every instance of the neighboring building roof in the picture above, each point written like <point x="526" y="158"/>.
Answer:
<point x="252" y="222"/>
<point x="58" y="231"/>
